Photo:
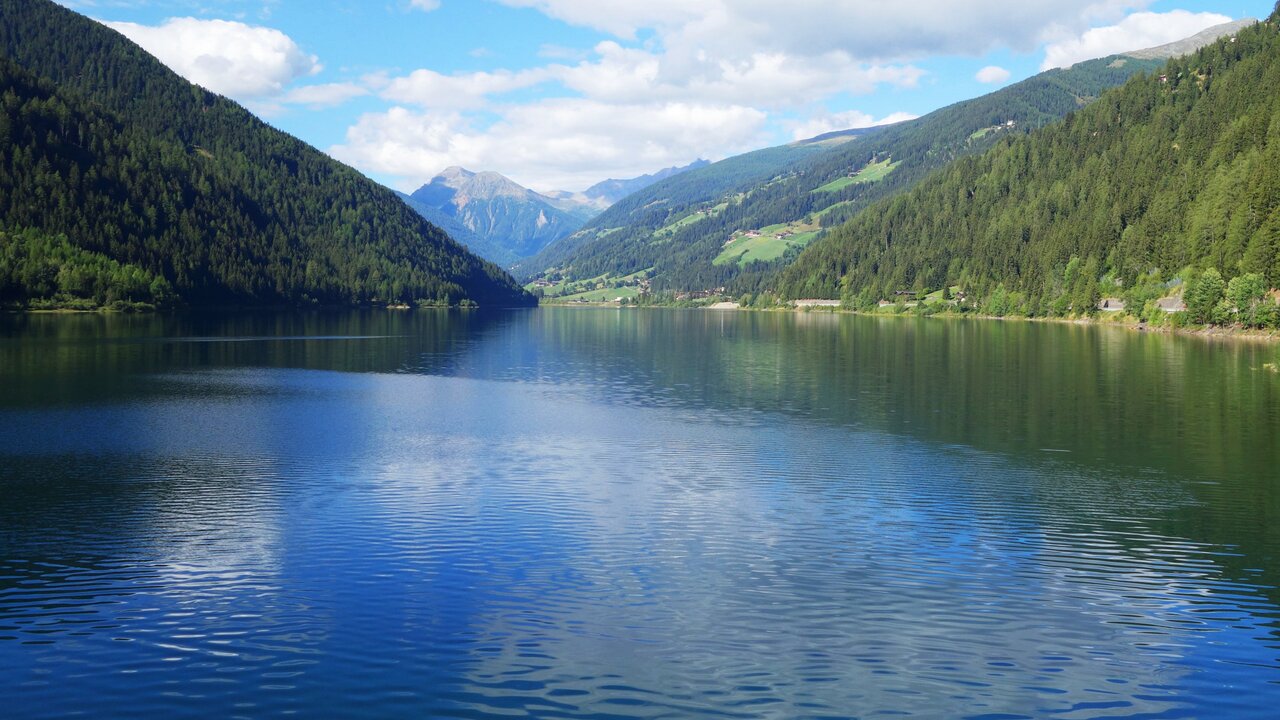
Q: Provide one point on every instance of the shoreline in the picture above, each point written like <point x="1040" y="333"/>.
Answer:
<point x="247" y="309"/>
<point x="1128" y="323"/>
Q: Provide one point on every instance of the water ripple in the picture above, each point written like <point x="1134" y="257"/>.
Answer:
<point x="268" y="542"/>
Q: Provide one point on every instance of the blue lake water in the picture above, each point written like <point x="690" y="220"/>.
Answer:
<point x="583" y="513"/>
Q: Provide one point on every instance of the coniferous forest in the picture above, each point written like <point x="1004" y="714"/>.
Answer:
<point x="116" y="168"/>
<point x="1171" y="180"/>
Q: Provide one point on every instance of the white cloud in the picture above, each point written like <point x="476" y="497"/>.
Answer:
<point x="867" y="30"/>
<point x="760" y="79"/>
<point x="551" y="144"/>
<point x="427" y="5"/>
<point x="1135" y="32"/>
<point x="630" y="111"/>
<point x="630" y="75"/>
<point x="231" y="58"/>
<point x="849" y="120"/>
<point x="618" y="17"/>
<point x="992" y="74"/>
<point x="560" y="52"/>
<point x="326" y="95"/>
<point x="430" y="89"/>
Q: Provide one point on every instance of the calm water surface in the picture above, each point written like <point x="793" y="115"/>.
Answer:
<point x="571" y="513"/>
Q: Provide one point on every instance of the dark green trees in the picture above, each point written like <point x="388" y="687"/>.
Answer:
<point x="42" y="271"/>
<point x="1174" y="170"/>
<point x="1204" y="295"/>
<point x="107" y="147"/>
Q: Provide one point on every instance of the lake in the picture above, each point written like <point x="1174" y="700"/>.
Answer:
<point x="603" y="513"/>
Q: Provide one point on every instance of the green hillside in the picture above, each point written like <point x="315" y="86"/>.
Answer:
<point x="1178" y="169"/>
<point x="104" y="147"/>
<point x="822" y="183"/>
<point x="614" y="243"/>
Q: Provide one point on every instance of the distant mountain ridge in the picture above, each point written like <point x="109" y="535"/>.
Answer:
<point x="611" y="191"/>
<point x="1189" y="45"/>
<point x="506" y="222"/>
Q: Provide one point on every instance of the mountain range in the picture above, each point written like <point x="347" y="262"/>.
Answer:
<point x="505" y="222"/>
<point x="607" y="192"/>
<point x="492" y="215"/>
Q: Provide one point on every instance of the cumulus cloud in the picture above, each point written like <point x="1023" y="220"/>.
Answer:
<point x="850" y="120"/>
<point x="430" y="89"/>
<point x="630" y="111"/>
<point x="551" y="144"/>
<point x="427" y="5"/>
<point x="618" y="17"/>
<point x="630" y="75"/>
<point x="758" y="78"/>
<point x="869" y="30"/>
<point x="240" y="61"/>
<point x="1136" y="32"/>
<point x="992" y="74"/>
<point x="325" y="95"/>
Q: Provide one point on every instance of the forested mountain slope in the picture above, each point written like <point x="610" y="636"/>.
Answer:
<point x="105" y="146"/>
<point x="698" y="230"/>
<point x="1176" y="169"/>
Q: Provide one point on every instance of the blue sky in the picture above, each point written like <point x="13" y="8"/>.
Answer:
<point x="559" y="94"/>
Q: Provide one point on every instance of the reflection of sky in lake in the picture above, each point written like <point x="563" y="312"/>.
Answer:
<point x="557" y="539"/>
<point x="817" y="565"/>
